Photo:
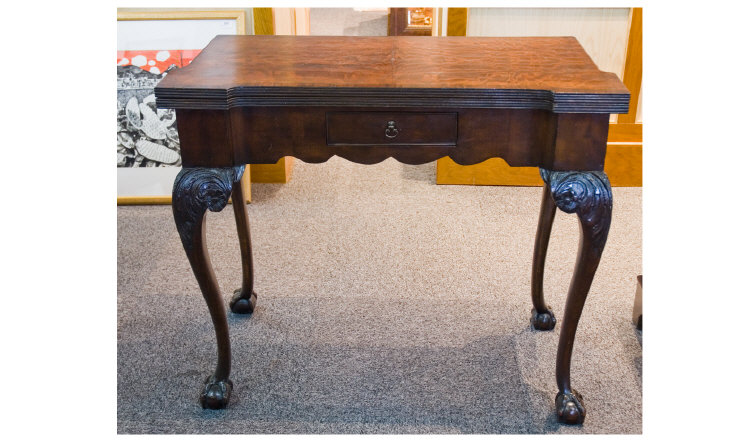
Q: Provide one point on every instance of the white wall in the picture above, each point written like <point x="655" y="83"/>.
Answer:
<point x="603" y="32"/>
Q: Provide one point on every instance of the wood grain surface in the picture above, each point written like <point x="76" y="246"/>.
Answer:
<point x="553" y="73"/>
<point x="522" y="137"/>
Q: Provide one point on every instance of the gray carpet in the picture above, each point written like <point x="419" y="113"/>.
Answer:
<point x="387" y="304"/>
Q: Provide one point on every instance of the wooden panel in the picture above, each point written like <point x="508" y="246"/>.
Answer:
<point x="457" y="18"/>
<point x="624" y="164"/>
<point x="633" y="65"/>
<point x="625" y="133"/>
<point x="148" y="200"/>
<point x="262" y="21"/>
<point x="279" y="172"/>
<point x="494" y="171"/>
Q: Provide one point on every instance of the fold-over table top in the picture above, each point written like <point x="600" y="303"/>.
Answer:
<point x="553" y="73"/>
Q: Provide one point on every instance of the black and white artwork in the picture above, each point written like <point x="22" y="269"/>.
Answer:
<point x="150" y="47"/>
<point x="146" y="136"/>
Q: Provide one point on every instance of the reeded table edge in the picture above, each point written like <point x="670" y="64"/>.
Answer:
<point x="220" y="99"/>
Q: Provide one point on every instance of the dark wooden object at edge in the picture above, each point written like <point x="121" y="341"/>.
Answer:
<point x="532" y="101"/>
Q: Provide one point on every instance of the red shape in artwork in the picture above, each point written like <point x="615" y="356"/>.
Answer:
<point x="156" y="61"/>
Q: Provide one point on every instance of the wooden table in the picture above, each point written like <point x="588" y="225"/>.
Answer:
<point x="534" y="101"/>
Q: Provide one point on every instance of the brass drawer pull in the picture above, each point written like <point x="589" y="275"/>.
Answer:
<point x="390" y="130"/>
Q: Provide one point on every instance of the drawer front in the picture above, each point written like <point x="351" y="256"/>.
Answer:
<point x="391" y="129"/>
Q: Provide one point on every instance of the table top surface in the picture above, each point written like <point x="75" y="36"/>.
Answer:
<point x="252" y="69"/>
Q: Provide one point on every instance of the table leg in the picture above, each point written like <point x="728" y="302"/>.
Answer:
<point x="243" y="300"/>
<point x="542" y="317"/>
<point x="195" y="191"/>
<point x="589" y="195"/>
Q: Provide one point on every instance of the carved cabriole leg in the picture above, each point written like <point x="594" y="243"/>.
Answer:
<point x="589" y="195"/>
<point x="243" y="300"/>
<point x="195" y="191"/>
<point x="542" y="317"/>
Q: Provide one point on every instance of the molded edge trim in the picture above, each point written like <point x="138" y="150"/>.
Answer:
<point x="391" y="97"/>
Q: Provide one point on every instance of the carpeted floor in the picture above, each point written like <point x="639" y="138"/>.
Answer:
<point x="387" y="304"/>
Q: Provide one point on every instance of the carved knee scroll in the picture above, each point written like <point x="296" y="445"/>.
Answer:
<point x="586" y="193"/>
<point x="197" y="190"/>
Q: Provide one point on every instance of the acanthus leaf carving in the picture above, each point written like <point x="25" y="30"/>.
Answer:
<point x="586" y="193"/>
<point x="197" y="190"/>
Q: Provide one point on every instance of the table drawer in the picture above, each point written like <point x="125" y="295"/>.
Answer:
<point x="391" y="128"/>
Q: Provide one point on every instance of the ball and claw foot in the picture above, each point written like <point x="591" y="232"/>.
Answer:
<point x="216" y="394"/>
<point x="570" y="408"/>
<point x="242" y="304"/>
<point x="543" y="321"/>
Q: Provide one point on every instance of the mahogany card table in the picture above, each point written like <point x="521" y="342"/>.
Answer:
<point x="533" y="101"/>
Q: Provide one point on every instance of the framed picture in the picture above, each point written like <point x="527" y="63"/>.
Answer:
<point x="149" y="46"/>
<point x="410" y="21"/>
